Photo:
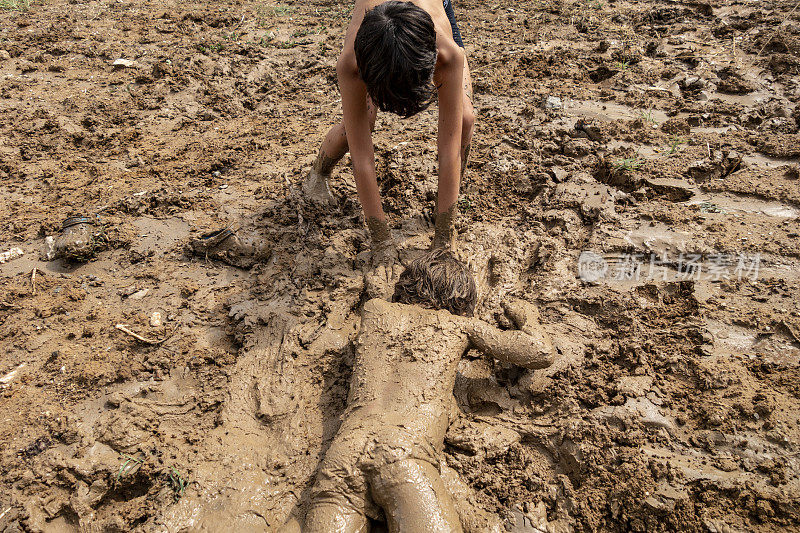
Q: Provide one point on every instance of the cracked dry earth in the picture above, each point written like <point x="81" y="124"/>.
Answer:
<point x="621" y="128"/>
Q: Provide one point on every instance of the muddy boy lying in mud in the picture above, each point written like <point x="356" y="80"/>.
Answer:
<point x="384" y="461"/>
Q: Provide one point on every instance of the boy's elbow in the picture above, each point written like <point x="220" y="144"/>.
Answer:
<point x="346" y="66"/>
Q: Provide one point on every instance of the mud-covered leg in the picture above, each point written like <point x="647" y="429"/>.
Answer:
<point x="414" y="498"/>
<point x="445" y="231"/>
<point x="334" y="147"/>
<point x="326" y="517"/>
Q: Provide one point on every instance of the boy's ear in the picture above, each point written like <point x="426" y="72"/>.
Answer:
<point x="524" y="314"/>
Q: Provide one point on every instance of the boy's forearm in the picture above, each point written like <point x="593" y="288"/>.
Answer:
<point x="451" y="111"/>
<point x="359" y="137"/>
<point x="512" y="346"/>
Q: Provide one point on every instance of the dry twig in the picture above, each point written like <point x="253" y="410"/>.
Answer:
<point x="152" y="342"/>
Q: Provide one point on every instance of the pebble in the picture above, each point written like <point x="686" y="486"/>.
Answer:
<point x="49" y="252"/>
<point x="123" y="63"/>
<point x="4" y="55"/>
<point x="11" y="254"/>
<point x="138" y="295"/>
<point x="155" y="319"/>
<point x="553" y="103"/>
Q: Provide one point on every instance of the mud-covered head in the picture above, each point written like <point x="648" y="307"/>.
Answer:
<point x="396" y="55"/>
<point x="438" y="280"/>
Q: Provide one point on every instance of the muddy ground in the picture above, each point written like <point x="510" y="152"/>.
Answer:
<point x="623" y="129"/>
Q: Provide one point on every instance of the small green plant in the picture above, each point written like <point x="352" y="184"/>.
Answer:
<point x="709" y="207"/>
<point x="291" y="44"/>
<point x="648" y="117"/>
<point x="177" y="482"/>
<point x="622" y="65"/>
<point x="15" y="5"/>
<point x="281" y="10"/>
<point x="675" y="143"/>
<point x="205" y="48"/>
<point x="465" y="204"/>
<point x="130" y="464"/>
<point x="627" y="164"/>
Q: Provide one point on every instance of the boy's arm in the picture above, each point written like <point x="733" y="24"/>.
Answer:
<point x="358" y="131"/>
<point x="528" y="347"/>
<point x="449" y="80"/>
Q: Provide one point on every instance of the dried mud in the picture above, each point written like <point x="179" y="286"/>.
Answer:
<point x="615" y="127"/>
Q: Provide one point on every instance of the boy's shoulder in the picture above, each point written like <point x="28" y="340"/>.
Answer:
<point x="379" y="307"/>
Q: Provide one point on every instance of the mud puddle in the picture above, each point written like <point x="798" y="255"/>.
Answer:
<point x="772" y="346"/>
<point x="731" y="203"/>
<point x="159" y="235"/>
<point x="608" y="111"/>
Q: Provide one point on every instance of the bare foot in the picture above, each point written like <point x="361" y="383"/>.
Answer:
<point x="316" y="189"/>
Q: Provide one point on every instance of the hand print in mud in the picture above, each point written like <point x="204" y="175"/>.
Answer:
<point x="385" y="462"/>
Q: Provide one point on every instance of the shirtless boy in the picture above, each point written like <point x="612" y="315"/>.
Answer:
<point x="397" y="55"/>
<point x="384" y="461"/>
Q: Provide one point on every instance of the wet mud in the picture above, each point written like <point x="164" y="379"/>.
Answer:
<point x="628" y="130"/>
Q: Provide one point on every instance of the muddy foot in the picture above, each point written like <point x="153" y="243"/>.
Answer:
<point x="383" y="271"/>
<point x="230" y="248"/>
<point x="317" y="190"/>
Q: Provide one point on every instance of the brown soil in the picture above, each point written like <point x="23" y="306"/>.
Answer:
<point x="674" y="404"/>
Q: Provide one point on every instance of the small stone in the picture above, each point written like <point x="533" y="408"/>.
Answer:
<point x="703" y="96"/>
<point x="4" y="55"/>
<point x="558" y="174"/>
<point x="138" y="295"/>
<point x="10" y="255"/>
<point x="553" y="103"/>
<point x="155" y="319"/>
<point x="783" y="112"/>
<point x="123" y="63"/>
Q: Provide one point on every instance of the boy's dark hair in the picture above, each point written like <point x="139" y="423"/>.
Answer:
<point x="396" y="55"/>
<point x="438" y="280"/>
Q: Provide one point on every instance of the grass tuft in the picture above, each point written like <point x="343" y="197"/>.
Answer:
<point x="15" y="5"/>
<point x="627" y="164"/>
<point x="177" y="482"/>
<point x="130" y="464"/>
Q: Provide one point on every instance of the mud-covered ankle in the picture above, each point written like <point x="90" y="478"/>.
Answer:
<point x="324" y="164"/>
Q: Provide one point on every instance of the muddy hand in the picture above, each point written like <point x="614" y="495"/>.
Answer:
<point x="383" y="272"/>
<point x="317" y="190"/>
<point x="524" y="315"/>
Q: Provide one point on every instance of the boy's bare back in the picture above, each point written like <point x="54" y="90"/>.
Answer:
<point x="406" y="361"/>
